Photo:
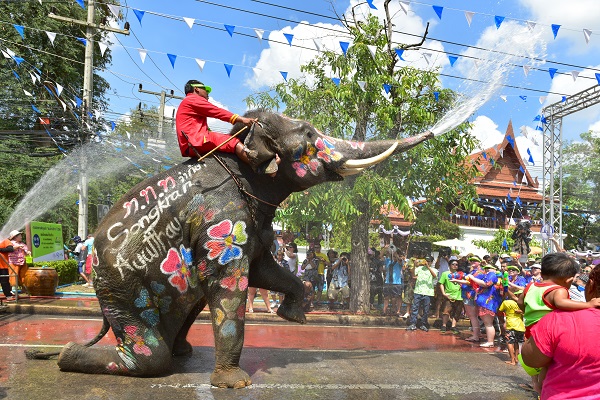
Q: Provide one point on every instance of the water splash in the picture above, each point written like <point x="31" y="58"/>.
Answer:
<point x="513" y="46"/>
<point x="102" y="160"/>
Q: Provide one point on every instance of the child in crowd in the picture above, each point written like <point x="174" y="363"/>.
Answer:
<point x="515" y="327"/>
<point x="540" y="298"/>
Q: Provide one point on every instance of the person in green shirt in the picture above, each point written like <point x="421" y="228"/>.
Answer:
<point x="452" y="304"/>
<point x="424" y="273"/>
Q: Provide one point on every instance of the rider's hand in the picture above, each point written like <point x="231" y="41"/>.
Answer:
<point x="247" y="121"/>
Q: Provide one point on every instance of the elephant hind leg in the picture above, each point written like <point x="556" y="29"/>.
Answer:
<point x="140" y="353"/>
<point x="181" y="346"/>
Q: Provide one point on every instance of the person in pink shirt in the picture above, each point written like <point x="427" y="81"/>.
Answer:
<point x="565" y="342"/>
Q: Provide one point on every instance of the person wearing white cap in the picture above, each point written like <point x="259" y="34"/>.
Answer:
<point x="17" y="258"/>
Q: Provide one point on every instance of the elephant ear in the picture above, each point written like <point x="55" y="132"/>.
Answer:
<point x="262" y="158"/>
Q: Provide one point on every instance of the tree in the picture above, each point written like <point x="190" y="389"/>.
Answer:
<point x="433" y="170"/>
<point x="26" y="157"/>
<point x="581" y="191"/>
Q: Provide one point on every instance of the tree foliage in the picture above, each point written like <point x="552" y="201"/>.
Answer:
<point x="433" y="170"/>
<point x="581" y="192"/>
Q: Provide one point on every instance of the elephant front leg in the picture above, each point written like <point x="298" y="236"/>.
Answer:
<point x="267" y="274"/>
<point x="226" y="296"/>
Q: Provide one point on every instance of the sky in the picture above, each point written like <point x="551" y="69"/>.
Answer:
<point x="257" y="64"/>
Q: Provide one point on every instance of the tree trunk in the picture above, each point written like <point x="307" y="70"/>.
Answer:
<point x="359" y="271"/>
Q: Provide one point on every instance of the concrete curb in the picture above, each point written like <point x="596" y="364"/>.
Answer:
<point x="317" y="318"/>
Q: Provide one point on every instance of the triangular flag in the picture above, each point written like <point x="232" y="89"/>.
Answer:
<point x="6" y="55"/>
<point x="361" y="84"/>
<point x="427" y="57"/>
<point x="172" y="58"/>
<point x="189" y="21"/>
<point x="452" y="60"/>
<point x="78" y="101"/>
<point x="387" y="88"/>
<point x="370" y="3"/>
<point x="11" y="53"/>
<point x="505" y="244"/>
<point x="438" y="10"/>
<point x="336" y="81"/>
<point x="257" y="71"/>
<point x="476" y="62"/>
<point x="526" y="69"/>
<point x="35" y="109"/>
<point x="484" y="154"/>
<point x="537" y="118"/>
<point x="21" y="30"/>
<point x="530" y="25"/>
<point x="82" y="40"/>
<point x="63" y="104"/>
<point x="528" y="151"/>
<point x="404" y="6"/>
<point x="113" y="125"/>
<point x="597" y="78"/>
<point x="344" y="46"/>
<point x="143" y="54"/>
<point x="51" y="36"/>
<point x="469" y="17"/>
<point x="81" y="3"/>
<point x="521" y="169"/>
<point x="372" y="50"/>
<point x="229" y="29"/>
<point x="228" y="68"/>
<point x="59" y="89"/>
<point x="399" y="52"/>
<point x="524" y="98"/>
<point x="200" y="64"/>
<point x="284" y="74"/>
<point x="27" y="93"/>
<point x="259" y="34"/>
<point x="436" y="95"/>
<point x="564" y="98"/>
<point x="503" y="98"/>
<point x="555" y="29"/>
<point x="531" y="160"/>
<point x="18" y="60"/>
<point x="552" y="71"/>
<point x="587" y="34"/>
<point x="289" y="37"/>
<point x="115" y="10"/>
<point x="139" y="14"/>
<point x="103" y="47"/>
<point x="498" y="20"/>
<point x="33" y="77"/>
<point x="574" y="74"/>
<point x="543" y="99"/>
<point x="317" y="45"/>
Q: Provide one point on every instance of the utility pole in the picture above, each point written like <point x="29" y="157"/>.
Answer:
<point x="88" y="96"/>
<point x="161" y="109"/>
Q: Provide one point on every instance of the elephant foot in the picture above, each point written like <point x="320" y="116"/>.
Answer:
<point x="291" y="311"/>
<point x="235" y="378"/>
<point x="182" y="348"/>
<point x="75" y="357"/>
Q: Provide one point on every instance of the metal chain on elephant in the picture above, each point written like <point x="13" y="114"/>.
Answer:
<point x="252" y="206"/>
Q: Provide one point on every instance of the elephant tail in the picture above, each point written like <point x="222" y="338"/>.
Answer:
<point x="40" y="355"/>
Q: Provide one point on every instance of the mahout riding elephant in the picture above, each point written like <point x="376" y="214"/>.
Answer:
<point x="200" y="234"/>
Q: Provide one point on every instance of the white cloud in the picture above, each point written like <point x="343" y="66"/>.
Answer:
<point x="486" y="131"/>
<point x="572" y="15"/>
<point x="281" y="57"/>
<point x="580" y="121"/>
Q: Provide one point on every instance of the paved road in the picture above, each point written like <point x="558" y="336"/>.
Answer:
<point x="284" y="361"/>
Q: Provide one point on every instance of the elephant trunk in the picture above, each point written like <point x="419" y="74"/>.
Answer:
<point x="371" y="153"/>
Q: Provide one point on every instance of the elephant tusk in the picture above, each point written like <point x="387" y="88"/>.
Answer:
<point x="349" y="171"/>
<point x="367" y="162"/>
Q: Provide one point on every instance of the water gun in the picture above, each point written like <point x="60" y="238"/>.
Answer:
<point x="457" y="275"/>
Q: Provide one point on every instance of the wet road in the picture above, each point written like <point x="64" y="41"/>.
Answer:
<point x="284" y="362"/>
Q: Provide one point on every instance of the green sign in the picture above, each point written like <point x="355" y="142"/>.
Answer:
<point x="45" y="241"/>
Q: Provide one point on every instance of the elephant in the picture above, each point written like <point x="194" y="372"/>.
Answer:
<point x="199" y="234"/>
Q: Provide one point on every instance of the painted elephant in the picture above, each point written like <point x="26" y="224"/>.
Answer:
<point x="199" y="234"/>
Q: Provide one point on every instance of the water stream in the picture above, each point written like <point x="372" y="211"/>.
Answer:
<point x="513" y="46"/>
<point x="100" y="160"/>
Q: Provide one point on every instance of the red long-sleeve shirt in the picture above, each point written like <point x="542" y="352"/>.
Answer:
<point x="192" y="117"/>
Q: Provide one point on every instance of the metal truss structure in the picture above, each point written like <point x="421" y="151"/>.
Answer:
<point x="552" y="118"/>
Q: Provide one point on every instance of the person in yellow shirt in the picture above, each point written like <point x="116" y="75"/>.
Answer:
<point x="515" y="327"/>
<point x="323" y="263"/>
